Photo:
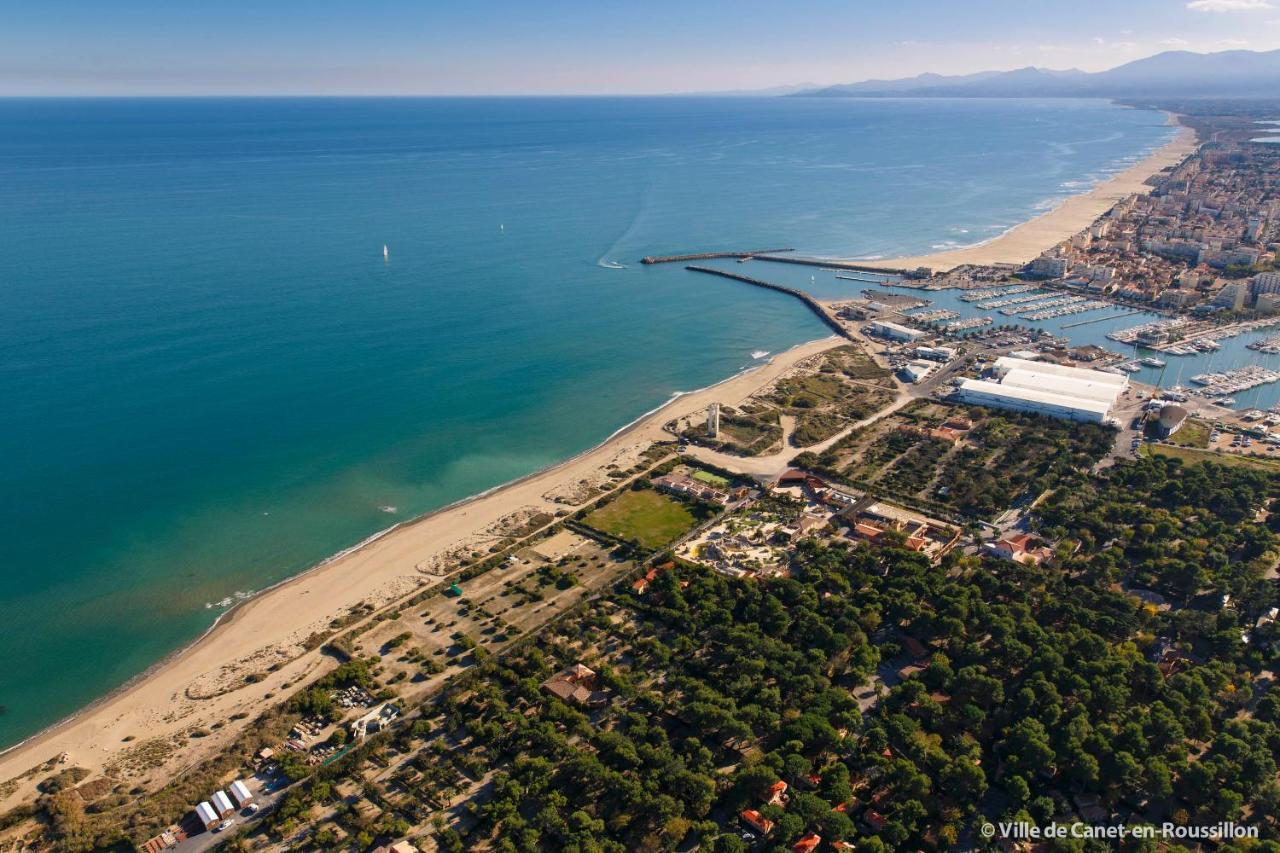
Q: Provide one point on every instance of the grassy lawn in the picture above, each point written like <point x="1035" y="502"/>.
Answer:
<point x="1193" y="434"/>
<point x="644" y="516"/>
<point x="1191" y="455"/>
<point x="711" y="479"/>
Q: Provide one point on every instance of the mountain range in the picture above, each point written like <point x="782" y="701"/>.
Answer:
<point x="1172" y="73"/>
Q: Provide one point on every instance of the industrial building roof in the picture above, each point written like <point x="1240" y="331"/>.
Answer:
<point x="1006" y="363"/>
<point x="1068" y="386"/>
<point x="885" y="324"/>
<point x="1035" y="395"/>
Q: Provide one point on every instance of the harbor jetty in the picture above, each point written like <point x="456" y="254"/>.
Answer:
<point x="884" y="273"/>
<point x="814" y="305"/>
<point x="873" y="278"/>
<point x="708" y="256"/>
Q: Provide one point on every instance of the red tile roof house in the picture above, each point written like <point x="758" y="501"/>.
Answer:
<point x="684" y="485"/>
<point x="643" y="583"/>
<point x="777" y="794"/>
<point x="808" y="844"/>
<point x="793" y="477"/>
<point x="576" y="685"/>
<point x="757" y="820"/>
<point x="1021" y="548"/>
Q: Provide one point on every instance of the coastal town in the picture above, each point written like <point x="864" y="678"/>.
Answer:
<point x="813" y="608"/>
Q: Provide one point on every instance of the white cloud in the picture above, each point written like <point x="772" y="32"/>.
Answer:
<point x="1174" y="42"/>
<point x="1228" y="5"/>
<point x="1106" y="44"/>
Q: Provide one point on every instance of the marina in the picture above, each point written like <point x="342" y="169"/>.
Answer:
<point x="1046" y="301"/>
<point x="994" y="292"/>
<point x="935" y="316"/>
<point x="1068" y="310"/>
<point x="966" y="325"/>
<point x="1192" y="346"/>
<point x="1234" y="381"/>
<point x="1027" y="311"/>
<point x="1270" y="346"/>
<point x="1012" y="300"/>
<point x="1148" y="333"/>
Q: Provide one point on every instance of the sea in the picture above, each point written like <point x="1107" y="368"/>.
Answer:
<point x="212" y="377"/>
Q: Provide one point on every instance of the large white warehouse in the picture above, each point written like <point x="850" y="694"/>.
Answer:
<point x="1042" y="388"/>
<point x="894" y="332"/>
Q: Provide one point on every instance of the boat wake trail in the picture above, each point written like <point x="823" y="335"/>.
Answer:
<point x="642" y="208"/>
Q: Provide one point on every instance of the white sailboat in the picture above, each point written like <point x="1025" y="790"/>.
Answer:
<point x="385" y="254"/>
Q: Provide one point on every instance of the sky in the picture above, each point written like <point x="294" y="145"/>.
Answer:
<point x="528" y="47"/>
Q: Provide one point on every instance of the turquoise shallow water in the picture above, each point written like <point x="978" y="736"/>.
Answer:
<point x="211" y="378"/>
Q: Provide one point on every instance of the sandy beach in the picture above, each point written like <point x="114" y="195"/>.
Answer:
<point x="1024" y="242"/>
<point x="204" y="684"/>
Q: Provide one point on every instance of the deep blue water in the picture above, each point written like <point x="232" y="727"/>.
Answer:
<point x="211" y="379"/>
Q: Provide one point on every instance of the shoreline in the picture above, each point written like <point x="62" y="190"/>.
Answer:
<point x="226" y="618"/>
<point x="1025" y="241"/>
<point x="153" y="704"/>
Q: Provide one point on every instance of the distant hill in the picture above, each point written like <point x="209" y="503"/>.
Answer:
<point x="1174" y="72"/>
<point x="771" y="91"/>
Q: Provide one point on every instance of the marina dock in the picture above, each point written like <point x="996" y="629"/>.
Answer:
<point x="995" y="292"/>
<point x="1098" y="319"/>
<point x="1233" y="381"/>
